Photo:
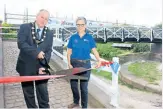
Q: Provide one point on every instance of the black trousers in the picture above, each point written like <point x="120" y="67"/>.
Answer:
<point x="83" y="83"/>
<point x="41" y="92"/>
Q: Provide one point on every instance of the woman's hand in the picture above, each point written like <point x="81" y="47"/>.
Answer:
<point x="98" y="64"/>
<point x="70" y="66"/>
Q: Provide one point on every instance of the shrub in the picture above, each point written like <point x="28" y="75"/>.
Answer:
<point x="8" y="30"/>
<point x="107" y="51"/>
<point x="141" y="47"/>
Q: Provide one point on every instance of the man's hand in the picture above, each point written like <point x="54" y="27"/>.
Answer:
<point x="41" y="71"/>
<point x="41" y="55"/>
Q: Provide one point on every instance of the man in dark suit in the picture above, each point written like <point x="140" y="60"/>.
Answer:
<point x="35" y="43"/>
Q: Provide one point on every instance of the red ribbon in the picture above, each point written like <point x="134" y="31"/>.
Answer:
<point x="104" y="63"/>
<point x="14" y="79"/>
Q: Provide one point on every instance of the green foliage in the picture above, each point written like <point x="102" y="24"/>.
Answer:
<point x="141" y="47"/>
<point x="107" y="51"/>
<point x="8" y="30"/>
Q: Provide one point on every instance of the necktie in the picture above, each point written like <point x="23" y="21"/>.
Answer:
<point x="38" y="35"/>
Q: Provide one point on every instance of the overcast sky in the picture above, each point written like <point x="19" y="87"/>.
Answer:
<point x="138" y="12"/>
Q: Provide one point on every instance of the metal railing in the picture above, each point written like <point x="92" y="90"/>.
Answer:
<point x="105" y="34"/>
<point x="121" y="34"/>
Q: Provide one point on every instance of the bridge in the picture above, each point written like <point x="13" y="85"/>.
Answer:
<point x="107" y="34"/>
<point x="113" y="33"/>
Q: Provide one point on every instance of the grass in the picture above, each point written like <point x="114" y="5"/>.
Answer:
<point x="146" y="70"/>
<point x="125" y="52"/>
<point x="106" y="75"/>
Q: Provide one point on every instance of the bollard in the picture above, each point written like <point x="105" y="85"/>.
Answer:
<point x="115" y="90"/>
<point x="114" y="68"/>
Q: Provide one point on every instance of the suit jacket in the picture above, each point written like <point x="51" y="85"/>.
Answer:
<point x="27" y="63"/>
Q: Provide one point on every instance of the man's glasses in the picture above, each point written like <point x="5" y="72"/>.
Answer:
<point x="80" y="25"/>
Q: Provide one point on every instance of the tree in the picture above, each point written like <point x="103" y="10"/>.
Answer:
<point x="158" y="25"/>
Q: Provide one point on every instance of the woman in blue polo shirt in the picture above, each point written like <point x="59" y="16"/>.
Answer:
<point x="78" y="55"/>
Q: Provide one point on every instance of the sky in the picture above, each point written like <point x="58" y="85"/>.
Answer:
<point x="137" y="12"/>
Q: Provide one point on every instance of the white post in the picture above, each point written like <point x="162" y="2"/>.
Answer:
<point x="115" y="71"/>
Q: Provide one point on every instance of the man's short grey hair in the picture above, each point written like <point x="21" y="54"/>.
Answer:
<point x="43" y="10"/>
<point x="81" y="18"/>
